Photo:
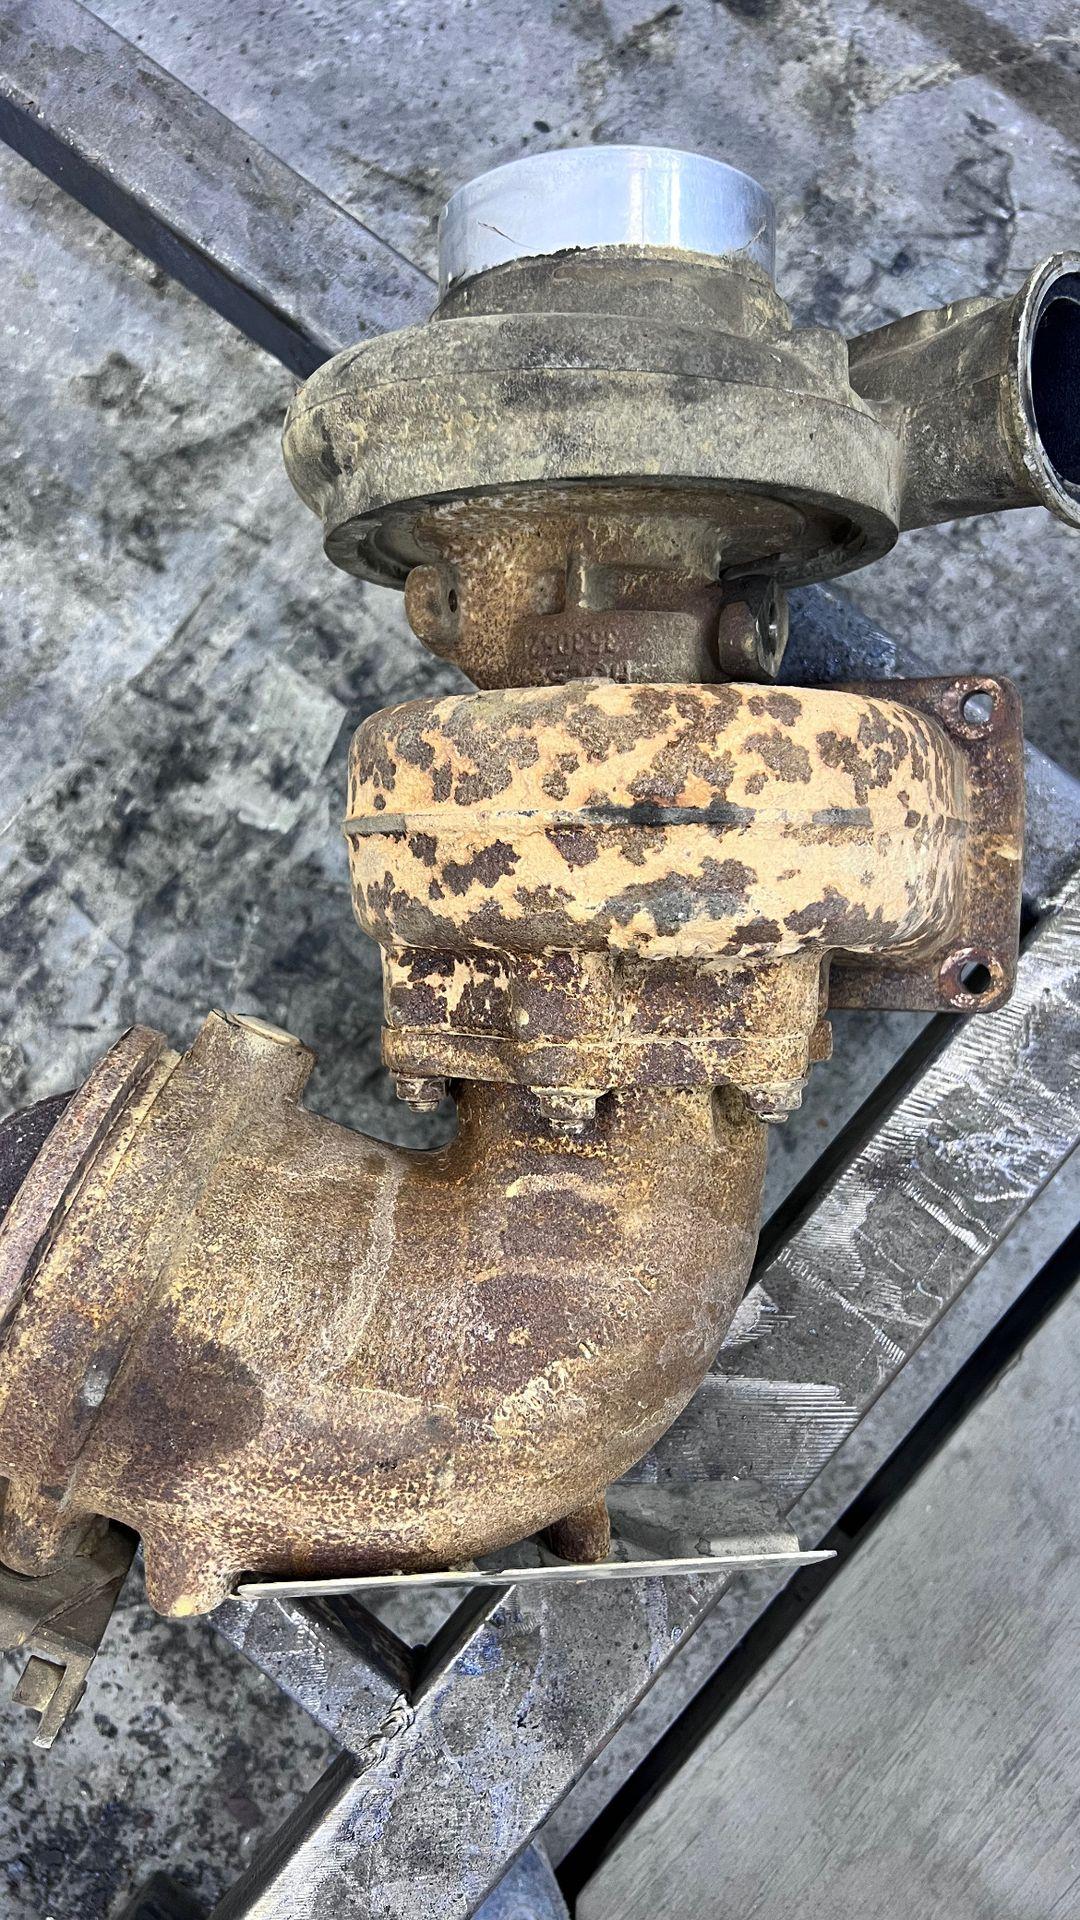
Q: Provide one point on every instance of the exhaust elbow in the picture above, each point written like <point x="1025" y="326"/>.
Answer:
<point x="984" y="396"/>
<point x="295" y="1349"/>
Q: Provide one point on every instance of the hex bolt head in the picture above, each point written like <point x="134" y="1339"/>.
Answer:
<point x="775" y="1105"/>
<point x="422" y="1095"/>
<point x="772" y="629"/>
<point x="752" y="632"/>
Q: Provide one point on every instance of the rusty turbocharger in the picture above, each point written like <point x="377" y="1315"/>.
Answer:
<point x="616" y="890"/>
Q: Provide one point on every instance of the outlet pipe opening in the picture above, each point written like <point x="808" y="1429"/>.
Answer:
<point x="1053" y="378"/>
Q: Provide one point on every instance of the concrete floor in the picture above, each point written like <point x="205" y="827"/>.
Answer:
<point x="182" y="669"/>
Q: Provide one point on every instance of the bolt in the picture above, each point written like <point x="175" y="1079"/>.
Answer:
<point x="820" y="1047"/>
<point x="774" y="1105"/>
<point x="568" y="1112"/>
<point x="421" y="1094"/>
<point x="772" y="630"/>
<point x="752" y="631"/>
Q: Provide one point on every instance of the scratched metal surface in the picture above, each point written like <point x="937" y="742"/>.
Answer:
<point x="926" y="1375"/>
<point x="86" y="107"/>
<point x="913" y="1743"/>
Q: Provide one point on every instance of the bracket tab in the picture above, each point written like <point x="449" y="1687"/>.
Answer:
<point x="58" y="1620"/>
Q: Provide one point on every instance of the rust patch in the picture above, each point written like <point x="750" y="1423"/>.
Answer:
<point x="487" y="865"/>
<point x="577" y="845"/>
<point x="785" y="757"/>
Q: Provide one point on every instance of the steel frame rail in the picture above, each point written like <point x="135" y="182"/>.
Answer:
<point x="454" y="1756"/>
<point x="290" y="268"/>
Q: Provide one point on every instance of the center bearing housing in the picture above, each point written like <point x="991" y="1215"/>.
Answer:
<point x="591" y="451"/>
<point x="617" y="891"/>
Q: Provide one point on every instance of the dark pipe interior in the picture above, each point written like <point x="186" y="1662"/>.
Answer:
<point x="1055" y="378"/>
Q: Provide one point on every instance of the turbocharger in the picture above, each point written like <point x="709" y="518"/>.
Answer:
<point x="617" y="891"/>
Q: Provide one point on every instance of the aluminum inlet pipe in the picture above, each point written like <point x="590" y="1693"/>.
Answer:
<point x="604" y="197"/>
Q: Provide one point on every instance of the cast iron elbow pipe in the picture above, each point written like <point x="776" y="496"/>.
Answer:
<point x="268" y="1343"/>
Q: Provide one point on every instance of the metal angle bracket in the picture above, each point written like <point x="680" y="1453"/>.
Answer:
<point x="714" y="1526"/>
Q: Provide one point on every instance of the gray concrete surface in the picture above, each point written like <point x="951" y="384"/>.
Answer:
<point x="182" y="670"/>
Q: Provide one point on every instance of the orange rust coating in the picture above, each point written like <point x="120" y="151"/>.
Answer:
<point x="271" y="1344"/>
<point x="729" y="822"/>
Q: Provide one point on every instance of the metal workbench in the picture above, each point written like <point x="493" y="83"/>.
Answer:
<point x="456" y="1753"/>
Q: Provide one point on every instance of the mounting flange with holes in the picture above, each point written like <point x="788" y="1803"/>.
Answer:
<point x="975" y="970"/>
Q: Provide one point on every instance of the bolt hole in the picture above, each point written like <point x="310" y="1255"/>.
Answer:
<point x="976" y="707"/>
<point x="452" y="600"/>
<point x="971" y="979"/>
<point x="976" y="978"/>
